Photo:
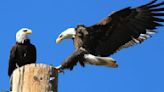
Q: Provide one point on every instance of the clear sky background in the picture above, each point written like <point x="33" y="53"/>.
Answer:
<point x="141" y="67"/>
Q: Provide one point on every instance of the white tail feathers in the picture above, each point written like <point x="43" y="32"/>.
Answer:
<point x="100" y="61"/>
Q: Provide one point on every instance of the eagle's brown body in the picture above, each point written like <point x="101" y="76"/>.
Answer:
<point x="21" y="54"/>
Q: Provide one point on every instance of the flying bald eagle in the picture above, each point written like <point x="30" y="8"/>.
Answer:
<point x="119" y="30"/>
<point x="23" y="52"/>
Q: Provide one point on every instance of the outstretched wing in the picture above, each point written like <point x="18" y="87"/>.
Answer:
<point x="126" y="27"/>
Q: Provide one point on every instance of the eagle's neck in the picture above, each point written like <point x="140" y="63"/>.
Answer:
<point x="78" y="42"/>
<point x="25" y="42"/>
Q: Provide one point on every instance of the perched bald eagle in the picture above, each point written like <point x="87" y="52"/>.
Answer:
<point x="119" y="30"/>
<point x="23" y="52"/>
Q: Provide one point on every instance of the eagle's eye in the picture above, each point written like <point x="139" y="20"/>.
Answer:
<point x="60" y="36"/>
<point x="25" y="30"/>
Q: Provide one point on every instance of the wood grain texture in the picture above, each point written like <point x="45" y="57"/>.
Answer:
<point x="35" y="78"/>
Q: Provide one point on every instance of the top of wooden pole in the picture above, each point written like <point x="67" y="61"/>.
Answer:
<point x="35" y="78"/>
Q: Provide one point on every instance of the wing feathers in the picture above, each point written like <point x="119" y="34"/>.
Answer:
<point x="140" y="39"/>
<point x="156" y="5"/>
<point x="145" y="16"/>
<point x="157" y="24"/>
<point x="128" y="27"/>
<point x="157" y="14"/>
<point x="158" y="19"/>
<point x="152" y="2"/>
<point x="157" y="10"/>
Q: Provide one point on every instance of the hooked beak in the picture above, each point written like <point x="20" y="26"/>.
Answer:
<point x="58" y="40"/>
<point x="28" y="32"/>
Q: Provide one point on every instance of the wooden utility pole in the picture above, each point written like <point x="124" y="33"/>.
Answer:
<point x="35" y="78"/>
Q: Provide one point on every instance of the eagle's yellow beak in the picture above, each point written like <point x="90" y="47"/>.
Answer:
<point x="28" y="32"/>
<point x="58" y="40"/>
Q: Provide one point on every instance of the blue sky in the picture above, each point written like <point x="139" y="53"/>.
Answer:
<point x="140" y="67"/>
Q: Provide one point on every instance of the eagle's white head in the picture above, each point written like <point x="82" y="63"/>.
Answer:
<point x="67" y="34"/>
<point x="22" y="35"/>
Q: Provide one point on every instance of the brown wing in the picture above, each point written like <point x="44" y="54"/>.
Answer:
<point x="12" y="60"/>
<point x="125" y="28"/>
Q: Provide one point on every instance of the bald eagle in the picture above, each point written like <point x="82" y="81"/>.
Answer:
<point x="119" y="30"/>
<point x="23" y="52"/>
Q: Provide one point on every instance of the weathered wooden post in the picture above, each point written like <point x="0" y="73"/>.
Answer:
<point x="35" y="78"/>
